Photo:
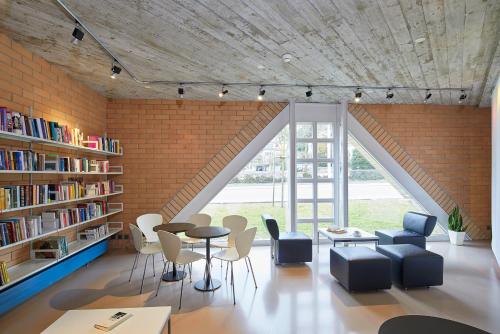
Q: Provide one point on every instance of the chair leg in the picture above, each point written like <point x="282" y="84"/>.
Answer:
<point x="232" y="283"/>
<point x="182" y="287"/>
<point x="144" y="272"/>
<point x="159" y="281"/>
<point x="133" y="266"/>
<point x="227" y="267"/>
<point x="154" y="274"/>
<point x="246" y="264"/>
<point x="190" y="272"/>
<point x="253" y="275"/>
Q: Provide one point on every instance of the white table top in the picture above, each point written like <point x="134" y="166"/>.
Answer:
<point x="348" y="235"/>
<point x="145" y="320"/>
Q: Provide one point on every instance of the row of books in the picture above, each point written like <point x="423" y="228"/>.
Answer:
<point x="26" y="195"/>
<point x="18" y="123"/>
<point x="4" y="274"/>
<point x="53" y="247"/>
<point x="94" y="233"/>
<point x="27" y="160"/>
<point x="16" y="229"/>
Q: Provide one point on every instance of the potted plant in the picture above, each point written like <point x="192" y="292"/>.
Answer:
<point x="456" y="227"/>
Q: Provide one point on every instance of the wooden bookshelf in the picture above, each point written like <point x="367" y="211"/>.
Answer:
<point x="36" y="140"/>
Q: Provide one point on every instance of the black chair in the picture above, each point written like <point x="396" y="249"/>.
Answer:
<point x="287" y="247"/>
<point x="416" y="227"/>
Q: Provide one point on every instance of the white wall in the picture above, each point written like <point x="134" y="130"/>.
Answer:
<point x="495" y="171"/>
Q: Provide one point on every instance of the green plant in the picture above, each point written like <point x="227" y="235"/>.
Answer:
<point x="455" y="221"/>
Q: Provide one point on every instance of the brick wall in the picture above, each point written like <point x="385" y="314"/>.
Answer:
<point x="447" y="149"/>
<point x="168" y="143"/>
<point x="27" y="80"/>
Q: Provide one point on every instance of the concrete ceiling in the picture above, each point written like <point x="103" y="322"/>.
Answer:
<point x="358" y="42"/>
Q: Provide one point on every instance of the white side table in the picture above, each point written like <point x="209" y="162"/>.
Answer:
<point x="145" y="320"/>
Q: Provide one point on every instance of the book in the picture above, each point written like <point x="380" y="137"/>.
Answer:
<point x="4" y="273"/>
<point x="113" y="321"/>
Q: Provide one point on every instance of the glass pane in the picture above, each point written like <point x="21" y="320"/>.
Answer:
<point x="325" y="190"/>
<point x="325" y="130"/>
<point x="325" y="151"/>
<point x="325" y="170"/>
<point x="304" y="150"/>
<point x="304" y="130"/>
<point x="325" y="210"/>
<point x="304" y="191"/>
<point x="308" y="229"/>
<point x="304" y="170"/>
<point x="304" y="210"/>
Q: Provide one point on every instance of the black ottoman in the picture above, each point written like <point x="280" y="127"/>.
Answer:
<point x="413" y="266"/>
<point x="360" y="268"/>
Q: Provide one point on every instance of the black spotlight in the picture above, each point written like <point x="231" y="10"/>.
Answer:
<point x="115" y="70"/>
<point x="462" y="97"/>
<point x="357" y="95"/>
<point x="223" y="92"/>
<point x="180" y="91"/>
<point x="262" y="91"/>
<point x="77" y="34"/>
<point x="428" y="96"/>
<point x="309" y="92"/>
<point x="390" y="94"/>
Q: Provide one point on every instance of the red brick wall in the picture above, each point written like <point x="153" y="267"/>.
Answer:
<point x="452" y="144"/>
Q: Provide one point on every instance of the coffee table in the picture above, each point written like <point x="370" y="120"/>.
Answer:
<point x="348" y="237"/>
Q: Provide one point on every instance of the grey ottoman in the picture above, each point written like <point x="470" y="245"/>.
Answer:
<point x="360" y="268"/>
<point x="413" y="266"/>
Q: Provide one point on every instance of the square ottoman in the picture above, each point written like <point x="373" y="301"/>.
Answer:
<point x="360" y="268"/>
<point x="413" y="266"/>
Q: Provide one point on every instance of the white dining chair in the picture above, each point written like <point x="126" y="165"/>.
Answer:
<point x="241" y="249"/>
<point x="171" y="245"/>
<point x="148" y="249"/>
<point x="146" y="223"/>
<point x="236" y="224"/>
<point x="199" y="220"/>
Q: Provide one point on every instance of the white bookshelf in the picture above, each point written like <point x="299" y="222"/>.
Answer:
<point x="36" y="140"/>
<point x="33" y="266"/>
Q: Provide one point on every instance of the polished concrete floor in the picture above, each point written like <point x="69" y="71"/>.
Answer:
<point x="289" y="299"/>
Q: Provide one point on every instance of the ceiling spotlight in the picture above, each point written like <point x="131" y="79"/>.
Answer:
<point x="357" y="95"/>
<point x="115" y="70"/>
<point x="286" y="58"/>
<point x="428" y="96"/>
<point x="309" y="92"/>
<point x="77" y="34"/>
<point x="390" y="94"/>
<point x="462" y="97"/>
<point x="262" y="91"/>
<point x="223" y="92"/>
<point x="180" y="91"/>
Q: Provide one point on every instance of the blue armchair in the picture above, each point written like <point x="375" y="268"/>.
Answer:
<point x="416" y="227"/>
<point x="287" y="247"/>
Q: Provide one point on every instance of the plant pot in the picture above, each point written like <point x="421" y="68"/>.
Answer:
<point x="456" y="238"/>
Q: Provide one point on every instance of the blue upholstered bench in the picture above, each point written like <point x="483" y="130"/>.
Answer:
<point x="416" y="227"/>
<point x="287" y="247"/>
<point x="360" y="268"/>
<point x="413" y="266"/>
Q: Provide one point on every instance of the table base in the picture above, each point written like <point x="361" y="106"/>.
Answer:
<point x="202" y="285"/>
<point x="170" y="277"/>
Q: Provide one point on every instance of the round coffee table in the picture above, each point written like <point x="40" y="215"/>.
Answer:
<point x="417" y="324"/>
<point x="207" y="232"/>
<point x="174" y="275"/>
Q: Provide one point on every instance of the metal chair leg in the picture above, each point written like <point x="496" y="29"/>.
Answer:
<point x="159" y="281"/>
<point x="133" y="266"/>
<point x="190" y="272"/>
<point x="232" y="283"/>
<point x="227" y="267"/>
<point x="144" y="272"/>
<point x="246" y="264"/>
<point x="253" y="275"/>
<point x="182" y="287"/>
<point x="154" y="274"/>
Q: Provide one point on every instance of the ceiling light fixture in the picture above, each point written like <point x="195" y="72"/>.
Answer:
<point x="115" y="70"/>
<point x="262" y="91"/>
<point x="286" y="58"/>
<point x="309" y="92"/>
<point x="357" y="95"/>
<point x="223" y="92"/>
<point x="428" y="96"/>
<point x="420" y="40"/>
<point x="180" y="91"/>
<point x="462" y="97"/>
<point x="390" y="94"/>
<point x="77" y="34"/>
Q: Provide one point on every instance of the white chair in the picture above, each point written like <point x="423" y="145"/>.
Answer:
<point x="199" y="220"/>
<point x="148" y="249"/>
<point x="236" y="224"/>
<point x="171" y="245"/>
<point x="243" y="244"/>
<point x="147" y="222"/>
